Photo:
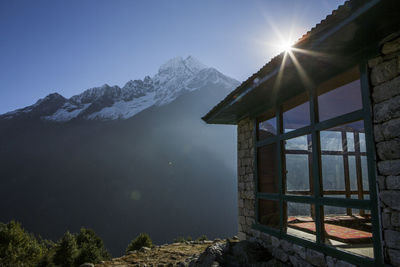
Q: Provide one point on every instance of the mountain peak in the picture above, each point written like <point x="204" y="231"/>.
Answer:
<point x="178" y="64"/>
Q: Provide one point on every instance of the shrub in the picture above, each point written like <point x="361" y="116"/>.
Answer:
<point x="17" y="247"/>
<point x="189" y="238"/>
<point x="66" y="251"/>
<point x="202" y="238"/>
<point x="142" y="240"/>
<point x="91" y="247"/>
<point x="179" y="239"/>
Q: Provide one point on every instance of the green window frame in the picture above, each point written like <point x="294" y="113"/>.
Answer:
<point x="316" y="197"/>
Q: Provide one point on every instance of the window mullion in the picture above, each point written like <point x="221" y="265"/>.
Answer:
<point x="281" y="164"/>
<point x="319" y="224"/>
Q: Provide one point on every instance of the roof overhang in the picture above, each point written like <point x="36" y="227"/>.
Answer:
<point x="352" y="34"/>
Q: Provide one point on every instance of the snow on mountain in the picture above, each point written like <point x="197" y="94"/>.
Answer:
<point x="174" y="78"/>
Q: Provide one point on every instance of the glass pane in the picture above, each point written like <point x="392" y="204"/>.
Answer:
<point x="300" y="220"/>
<point x="364" y="172"/>
<point x="331" y="141"/>
<point x="268" y="213"/>
<point x="342" y="100"/>
<point x="363" y="148"/>
<point x="296" y="114"/>
<point x="352" y="172"/>
<point x="297" y="165"/>
<point x="352" y="234"/>
<point x="267" y="166"/>
<point x="332" y="172"/>
<point x="343" y="163"/>
<point x="266" y="126"/>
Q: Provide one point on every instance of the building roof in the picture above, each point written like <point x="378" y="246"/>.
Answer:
<point x="341" y="40"/>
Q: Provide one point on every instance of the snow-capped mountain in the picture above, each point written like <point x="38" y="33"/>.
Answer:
<point x="173" y="79"/>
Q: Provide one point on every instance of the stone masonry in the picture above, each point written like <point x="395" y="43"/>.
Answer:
<point x="385" y="83"/>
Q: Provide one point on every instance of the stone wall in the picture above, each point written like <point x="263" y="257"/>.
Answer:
<point x="246" y="191"/>
<point x="385" y="82"/>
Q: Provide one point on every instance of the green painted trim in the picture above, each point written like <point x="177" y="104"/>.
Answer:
<point x="316" y="126"/>
<point x="279" y="124"/>
<point x="369" y="139"/>
<point x="342" y="119"/>
<point x="299" y="199"/>
<point x="345" y="203"/>
<point x="268" y="196"/>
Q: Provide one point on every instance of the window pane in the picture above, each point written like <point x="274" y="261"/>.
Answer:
<point x="341" y="100"/>
<point x="352" y="234"/>
<point x="300" y="220"/>
<point x="332" y="172"/>
<point x="331" y="141"/>
<point x="266" y="126"/>
<point x="296" y="113"/>
<point x="343" y="163"/>
<point x="352" y="172"/>
<point x="297" y="165"/>
<point x="267" y="166"/>
<point x="268" y="213"/>
<point x="364" y="172"/>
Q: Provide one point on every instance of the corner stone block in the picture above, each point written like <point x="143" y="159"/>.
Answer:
<point x="389" y="167"/>
<point x="395" y="219"/>
<point x="299" y="250"/>
<point x="391" y="198"/>
<point x="391" y="129"/>
<point x="315" y="258"/>
<point x="386" y="90"/>
<point x="384" y="71"/>
<point x="389" y="149"/>
<point x="391" y="47"/>
<point x="275" y="242"/>
<point x="280" y="254"/>
<point x="394" y="256"/>
<point x="393" y="182"/>
<point x="392" y="238"/>
<point x="390" y="109"/>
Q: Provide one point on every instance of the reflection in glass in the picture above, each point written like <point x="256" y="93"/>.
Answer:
<point x="344" y="162"/>
<point x="268" y="213"/>
<point x="267" y="167"/>
<point x="352" y="234"/>
<point x="297" y="165"/>
<point x="296" y="117"/>
<point x="364" y="171"/>
<point x="266" y="126"/>
<point x="332" y="141"/>
<point x="332" y="172"/>
<point x="300" y="220"/>
<point x="339" y="101"/>
<point x="352" y="172"/>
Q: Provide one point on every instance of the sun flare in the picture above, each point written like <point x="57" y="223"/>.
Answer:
<point x="285" y="46"/>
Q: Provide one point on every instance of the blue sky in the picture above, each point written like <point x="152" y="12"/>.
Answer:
<point x="69" y="46"/>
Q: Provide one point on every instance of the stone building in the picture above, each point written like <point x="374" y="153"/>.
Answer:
<point x="319" y="142"/>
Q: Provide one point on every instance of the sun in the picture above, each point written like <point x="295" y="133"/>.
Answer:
<point x="285" y="45"/>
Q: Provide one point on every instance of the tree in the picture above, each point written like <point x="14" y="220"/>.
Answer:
<point x="91" y="247"/>
<point x="142" y="240"/>
<point x="17" y="247"/>
<point x="66" y="251"/>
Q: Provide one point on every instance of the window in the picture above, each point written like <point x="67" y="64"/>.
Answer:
<point x="313" y="178"/>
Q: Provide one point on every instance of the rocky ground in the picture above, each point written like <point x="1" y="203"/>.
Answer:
<point x="230" y="252"/>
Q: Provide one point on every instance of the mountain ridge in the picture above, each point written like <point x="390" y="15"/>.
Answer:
<point x="174" y="78"/>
